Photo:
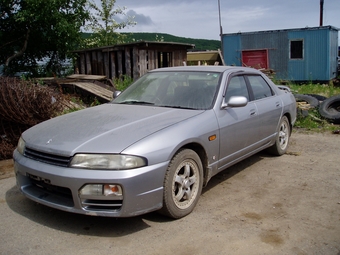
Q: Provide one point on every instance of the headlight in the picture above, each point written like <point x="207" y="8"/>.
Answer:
<point x="21" y="146"/>
<point x="107" y="161"/>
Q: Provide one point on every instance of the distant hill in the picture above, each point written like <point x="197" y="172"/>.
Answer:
<point x="200" y="44"/>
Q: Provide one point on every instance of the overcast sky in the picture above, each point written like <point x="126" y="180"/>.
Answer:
<point x="200" y="18"/>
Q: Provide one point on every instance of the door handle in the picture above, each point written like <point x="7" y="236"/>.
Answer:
<point x="252" y="112"/>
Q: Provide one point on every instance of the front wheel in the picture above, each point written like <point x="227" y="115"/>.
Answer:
<point x="282" y="138"/>
<point x="182" y="184"/>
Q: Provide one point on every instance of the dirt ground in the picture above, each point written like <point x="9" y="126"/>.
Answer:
<point x="263" y="205"/>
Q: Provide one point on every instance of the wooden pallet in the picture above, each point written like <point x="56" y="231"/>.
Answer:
<point x="92" y="88"/>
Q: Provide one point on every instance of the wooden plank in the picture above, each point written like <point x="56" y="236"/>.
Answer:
<point x="94" y="89"/>
<point x="152" y="60"/>
<point x="128" y="62"/>
<point x="120" y="63"/>
<point x="100" y="63"/>
<point x="106" y="64"/>
<point x="82" y="63"/>
<point x="174" y="58"/>
<point x="113" y="65"/>
<point x="142" y="62"/>
<point x="86" y="77"/>
<point x="135" y="57"/>
<point x="88" y="64"/>
<point x="221" y="57"/>
<point x="94" y="63"/>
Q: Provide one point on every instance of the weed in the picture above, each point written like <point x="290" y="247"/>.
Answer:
<point x="95" y="102"/>
<point x="122" y="82"/>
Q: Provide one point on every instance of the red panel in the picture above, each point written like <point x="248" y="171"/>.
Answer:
<point x="255" y="58"/>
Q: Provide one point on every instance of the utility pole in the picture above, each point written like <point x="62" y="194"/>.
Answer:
<point x="321" y="12"/>
<point x="221" y="32"/>
<point x="219" y="17"/>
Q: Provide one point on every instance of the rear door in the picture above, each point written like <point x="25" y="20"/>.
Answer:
<point x="268" y="105"/>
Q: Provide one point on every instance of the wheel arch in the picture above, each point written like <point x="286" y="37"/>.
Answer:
<point x="201" y="152"/>
<point x="289" y="117"/>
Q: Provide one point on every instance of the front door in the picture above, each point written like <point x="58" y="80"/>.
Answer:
<point x="238" y="125"/>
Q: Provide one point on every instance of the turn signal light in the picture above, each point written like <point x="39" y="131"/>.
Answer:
<point x="112" y="190"/>
<point x="101" y="190"/>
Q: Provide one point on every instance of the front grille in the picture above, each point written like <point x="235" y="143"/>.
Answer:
<point x="42" y="190"/>
<point x="47" y="158"/>
<point x="45" y="185"/>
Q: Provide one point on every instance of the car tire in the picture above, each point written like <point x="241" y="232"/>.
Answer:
<point x="330" y="109"/>
<point x="282" y="138"/>
<point x="182" y="184"/>
<point x="312" y="101"/>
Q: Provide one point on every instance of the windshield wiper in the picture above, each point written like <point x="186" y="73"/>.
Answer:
<point x="179" y="107"/>
<point x="136" y="102"/>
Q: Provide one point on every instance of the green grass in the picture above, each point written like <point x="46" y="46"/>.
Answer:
<point x="314" y="123"/>
<point x="319" y="89"/>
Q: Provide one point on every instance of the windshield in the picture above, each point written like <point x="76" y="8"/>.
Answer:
<point x="189" y="90"/>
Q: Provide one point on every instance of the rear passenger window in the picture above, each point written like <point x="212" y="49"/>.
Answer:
<point x="260" y="87"/>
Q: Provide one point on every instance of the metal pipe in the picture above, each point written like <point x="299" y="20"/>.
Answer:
<point x="321" y="12"/>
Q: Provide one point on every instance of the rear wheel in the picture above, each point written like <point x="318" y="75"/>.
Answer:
<point x="282" y="138"/>
<point x="183" y="184"/>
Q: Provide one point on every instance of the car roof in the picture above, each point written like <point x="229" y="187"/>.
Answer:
<point x="205" y="69"/>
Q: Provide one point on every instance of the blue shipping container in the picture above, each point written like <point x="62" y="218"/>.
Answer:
<point x="305" y="54"/>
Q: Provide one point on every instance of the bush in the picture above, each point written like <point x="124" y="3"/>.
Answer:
<point x="122" y="82"/>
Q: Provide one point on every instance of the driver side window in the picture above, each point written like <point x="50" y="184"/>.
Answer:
<point x="236" y="87"/>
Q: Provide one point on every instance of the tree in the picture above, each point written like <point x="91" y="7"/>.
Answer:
<point x="105" y="20"/>
<point x="39" y="30"/>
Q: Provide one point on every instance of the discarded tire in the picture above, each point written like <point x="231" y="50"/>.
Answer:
<point x="330" y="109"/>
<point x="312" y="101"/>
<point x="318" y="97"/>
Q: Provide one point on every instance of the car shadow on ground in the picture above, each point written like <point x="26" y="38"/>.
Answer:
<point x="104" y="226"/>
<point x="228" y="173"/>
<point x="70" y="222"/>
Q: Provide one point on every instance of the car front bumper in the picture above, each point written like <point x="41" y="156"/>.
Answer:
<point x="58" y="187"/>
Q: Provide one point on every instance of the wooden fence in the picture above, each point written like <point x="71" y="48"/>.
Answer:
<point x="132" y="59"/>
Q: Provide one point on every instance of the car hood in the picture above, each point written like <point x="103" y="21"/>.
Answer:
<point x="108" y="128"/>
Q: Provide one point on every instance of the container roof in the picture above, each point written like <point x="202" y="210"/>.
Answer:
<point x="289" y="29"/>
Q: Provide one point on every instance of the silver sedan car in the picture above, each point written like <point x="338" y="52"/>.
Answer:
<point x="157" y="144"/>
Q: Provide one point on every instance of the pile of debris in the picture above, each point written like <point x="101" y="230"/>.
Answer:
<point x="328" y="108"/>
<point x="24" y="104"/>
<point x="93" y="86"/>
<point x="269" y="72"/>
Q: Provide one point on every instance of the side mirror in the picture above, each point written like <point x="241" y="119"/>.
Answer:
<point x="116" y="94"/>
<point x="235" y="101"/>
